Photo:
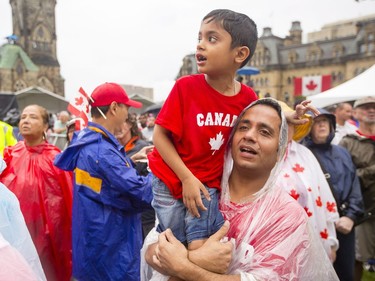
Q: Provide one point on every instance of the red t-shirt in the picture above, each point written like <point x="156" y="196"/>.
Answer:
<point x="200" y="120"/>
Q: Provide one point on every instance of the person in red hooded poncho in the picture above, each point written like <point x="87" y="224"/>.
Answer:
<point x="44" y="193"/>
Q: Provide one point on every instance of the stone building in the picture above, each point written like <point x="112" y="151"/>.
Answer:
<point x="341" y="50"/>
<point x="29" y="59"/>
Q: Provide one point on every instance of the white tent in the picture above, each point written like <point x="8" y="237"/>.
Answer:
<point x="362" y="85"/>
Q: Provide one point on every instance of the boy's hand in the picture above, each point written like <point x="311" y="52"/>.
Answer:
<point x="191" y="195"/>
<point x="296" y="117"/>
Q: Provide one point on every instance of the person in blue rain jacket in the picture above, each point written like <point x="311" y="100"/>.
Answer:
<point x="109" y="195"/>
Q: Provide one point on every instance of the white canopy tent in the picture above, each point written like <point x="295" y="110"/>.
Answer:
<point x="362" y="85"/>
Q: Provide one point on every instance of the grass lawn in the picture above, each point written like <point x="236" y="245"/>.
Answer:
<point x="368" y="276"/>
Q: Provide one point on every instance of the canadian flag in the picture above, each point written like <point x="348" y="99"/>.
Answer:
<point x="311" y="85"/>
<point x="80" y="106"/>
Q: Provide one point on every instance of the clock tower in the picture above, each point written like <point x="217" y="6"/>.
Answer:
<point x="34" y="23"/>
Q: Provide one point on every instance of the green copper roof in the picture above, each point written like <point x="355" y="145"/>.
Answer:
<point x="9" y="53"/>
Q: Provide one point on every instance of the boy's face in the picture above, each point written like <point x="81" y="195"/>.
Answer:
<point x="214" y="55"/>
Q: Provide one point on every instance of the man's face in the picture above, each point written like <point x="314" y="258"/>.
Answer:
<point x="151" y="121"/>
<point x="121" y="115"/>
<point x="142" y="119"/>
<point x="320" y="129"/>
<point x="365" y="113"/>
<point x="345" y="112"/>
<point x="256" y="140"/>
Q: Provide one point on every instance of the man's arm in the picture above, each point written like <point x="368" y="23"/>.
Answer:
<point x="172" y="256"/>
<point x="213" y="255"/>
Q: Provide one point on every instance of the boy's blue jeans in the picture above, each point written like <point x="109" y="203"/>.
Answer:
<point x="173" y="214"/>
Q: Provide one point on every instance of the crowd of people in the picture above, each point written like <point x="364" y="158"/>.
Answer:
<point x="220" y="185"/>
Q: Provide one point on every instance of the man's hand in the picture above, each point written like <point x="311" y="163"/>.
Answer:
<point x="170" y="254"/>
<point x="142" y="154"/>
<point x="296" y="117"/>
<point x="344" y="225"/>
<point x="214" y="256"/>
<point x="191" y="194"/>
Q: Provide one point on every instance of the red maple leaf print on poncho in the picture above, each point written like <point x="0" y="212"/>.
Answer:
<point x="324" y="234"/>
<point x="298" y="168"/>
<point x="308" y="212"/>
<point x="294" y="194"/>
<point x="318" y="202"/>
<point x="331" y="207"/>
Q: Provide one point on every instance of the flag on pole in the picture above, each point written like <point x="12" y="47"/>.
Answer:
<point x="311" y="85"/>
<point x="79" y="106"/>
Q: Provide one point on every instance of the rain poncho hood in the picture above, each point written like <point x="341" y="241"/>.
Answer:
<point x="45" y="196"/>
<point x="109" y="197"/>
<point x="272" y="236"/>
<point x="332" y="125"/>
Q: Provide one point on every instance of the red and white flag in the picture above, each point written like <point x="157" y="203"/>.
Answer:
<point x="80" y="106"/>
<point x="311" y="85"/>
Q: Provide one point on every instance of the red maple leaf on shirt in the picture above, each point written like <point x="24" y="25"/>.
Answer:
<point x="308" y="212"/>
<point x="331" y="207"/>
<point x="294" y="194"/>
<point x="319" y="202"/>
<point x="324" y="234"/>
<point x="309" y="189"/>
<point x="311" y="86"/>
<point x="298" y="168"/>
<point x="286" y="175"/>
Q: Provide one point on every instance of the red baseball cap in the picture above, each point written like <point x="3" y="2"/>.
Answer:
<point x="107" y="93"/>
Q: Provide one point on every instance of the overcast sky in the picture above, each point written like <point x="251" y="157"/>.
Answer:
<point x="143" y="42"/>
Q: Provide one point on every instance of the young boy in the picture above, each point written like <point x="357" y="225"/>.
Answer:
<point x="193" y="126"/>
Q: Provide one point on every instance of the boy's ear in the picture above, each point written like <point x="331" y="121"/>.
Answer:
<point x="242" y="53"/>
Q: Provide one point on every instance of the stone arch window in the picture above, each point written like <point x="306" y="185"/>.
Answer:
<point x="267" y="56"/>
<point x="254" y="59"/>
<point x="45" y="83"/>
<point x="41" y="38"/>
<point x="266" y="82"/>
<point x="340" y="76"/>
<point x="262" y="55"/>
<point x="289" y="80"/>
<point x="41" y="34"/>
<point x="261" y="82"/>
<point x="19" y="69"/>
<point x="333" y="76"/>
<point x="357" y="71"/>
<point x="292" y="57"/>
<point x="338" y="50"/>
<point x="19" y="85"/>
<point x="314" y="53"/>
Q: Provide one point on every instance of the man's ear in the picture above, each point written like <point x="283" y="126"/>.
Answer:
<point x="243" y="53"/>
<point x="113" y="107"/>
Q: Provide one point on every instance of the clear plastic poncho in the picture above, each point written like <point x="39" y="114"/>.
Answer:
<point x="273" y="239"/>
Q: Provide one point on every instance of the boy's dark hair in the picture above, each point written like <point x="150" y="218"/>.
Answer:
<point x="241" y="28"/>
<point x="96" y="113"/>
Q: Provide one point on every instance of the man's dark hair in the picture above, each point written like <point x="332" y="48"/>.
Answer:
<point x="271" y="103"/>
<point x="241" y="28"/>
<point x="96" y="113"/>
